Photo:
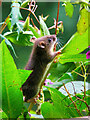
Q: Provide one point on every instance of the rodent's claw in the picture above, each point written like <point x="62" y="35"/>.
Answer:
<point x="59" y="52"/>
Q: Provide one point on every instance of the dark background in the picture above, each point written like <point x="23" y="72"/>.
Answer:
<point x="44" y="8"/>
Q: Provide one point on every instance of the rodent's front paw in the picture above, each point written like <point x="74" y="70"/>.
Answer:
<point x="59" y="52"/>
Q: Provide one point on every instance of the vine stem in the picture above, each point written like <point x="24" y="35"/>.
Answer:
<point x="85" y="77"/>
<point x="57" y="17"/>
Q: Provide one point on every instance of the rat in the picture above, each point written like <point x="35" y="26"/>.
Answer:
<point x="42" y="54"/>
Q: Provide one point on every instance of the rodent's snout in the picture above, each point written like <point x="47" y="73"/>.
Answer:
<point x="51" y="38"/>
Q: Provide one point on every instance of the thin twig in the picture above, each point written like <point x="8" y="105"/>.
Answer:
<point x="72" y="102"/>
<point x="29" y="11"/>
<point x="33" y="23"/>
<point x="84" y="102"/>
<point x="73" y="88"/>
<point x="4" y="25"/>
<point x="85" y="77"/>
<point x="30" y="106"/>
<point x="78" y="73"/>
<point x="71" y="99"/>
<point x="81" y="68"/>
<point x="57" y="17"/>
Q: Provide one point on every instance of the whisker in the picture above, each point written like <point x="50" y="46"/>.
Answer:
<point x="60" y="43"/>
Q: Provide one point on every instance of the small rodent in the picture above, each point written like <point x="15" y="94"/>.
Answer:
<point x="42" y="54"/>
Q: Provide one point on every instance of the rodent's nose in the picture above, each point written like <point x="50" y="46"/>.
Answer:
<point x="54" y="37"/>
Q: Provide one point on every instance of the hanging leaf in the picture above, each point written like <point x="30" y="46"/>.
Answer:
<point x="9" y="44"/>
<point x="15" y="13"/>
<point x="35" y="33"/>
<point x="26" y="24"/>
<point x="69" y="9"/>
<point x="83" y="22"/>
<point x="44" y="27"/>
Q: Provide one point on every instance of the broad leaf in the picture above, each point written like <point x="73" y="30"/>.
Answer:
<point x="66" y="76"/>
<point x="76" y="44"/>
<point x="12" y="99"/>
<point x="23" y="38"/>
<point x="57" y="109"/>
<point x="72" y="58"/>
<point x="78" y="85"/>
<point x="58" y="69"/>
<point x="24" y="74"/>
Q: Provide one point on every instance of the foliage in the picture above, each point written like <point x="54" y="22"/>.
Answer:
<point x="69" y="66"/>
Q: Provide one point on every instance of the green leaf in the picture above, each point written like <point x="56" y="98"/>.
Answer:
<point x="25" y="3"/>
<point x="58" y="69"/>
<point x="26" y="24"/>
<point x="72" y="58"/>
<point x="9" y="44"/>
<point x="83" y="22"/>
<point x="57" y="109"/>
<point x="69" y="9"/>
<point x="66" y="76"/>
<point x="76" y="44"/>
<point x="24" y="74"/>
<point x="3" y="115"/>
<point x="35" y="33"/>
<point x="23" y="38"/>
<point x="12" y="98"/>
<point x="44" y="27"/>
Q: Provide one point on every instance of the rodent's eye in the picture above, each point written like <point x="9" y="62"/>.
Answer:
<point x="49" y="40"/>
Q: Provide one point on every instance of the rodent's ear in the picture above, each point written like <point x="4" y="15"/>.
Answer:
<point x="42" y="44"/>
<point x="33" y="39"/>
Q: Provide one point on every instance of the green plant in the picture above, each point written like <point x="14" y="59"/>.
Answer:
<point x="61" y="74"/>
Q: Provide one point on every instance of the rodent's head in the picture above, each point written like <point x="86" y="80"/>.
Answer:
<point x="45" y="42"/>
